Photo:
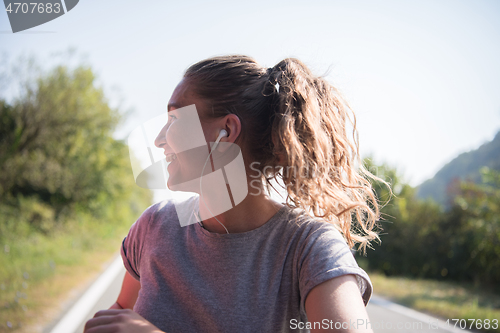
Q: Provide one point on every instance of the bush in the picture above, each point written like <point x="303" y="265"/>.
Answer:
<point x="57" y="153"/>
<point x="420" y="239"/>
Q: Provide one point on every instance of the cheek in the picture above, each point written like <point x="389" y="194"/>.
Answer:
<point x="173" y="137"/>
<point x="183" y="136"/>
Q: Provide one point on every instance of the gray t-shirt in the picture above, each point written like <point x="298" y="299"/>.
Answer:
<point x="193" y="280"/>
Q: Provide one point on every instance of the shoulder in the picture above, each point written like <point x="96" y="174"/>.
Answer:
<point x="316" y="242"/>
<point x="323" y="254"/>
<point x="160" y="208"/>
<point x="320" y="239"/>
<point x="171" y="212"/>
<point x="311" y="229"/>
<point x="154" y="213"/>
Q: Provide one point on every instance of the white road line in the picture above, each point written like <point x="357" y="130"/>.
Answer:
<point x="76" y="315"/>
<point x="415" y="314"/>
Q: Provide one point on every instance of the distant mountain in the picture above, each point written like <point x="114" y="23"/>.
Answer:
<point x="464" y="166"/>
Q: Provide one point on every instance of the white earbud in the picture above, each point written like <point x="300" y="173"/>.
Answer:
<point x="222" y="133"/>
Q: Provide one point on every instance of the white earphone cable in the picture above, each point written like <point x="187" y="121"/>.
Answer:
<point x="201" y="178"/>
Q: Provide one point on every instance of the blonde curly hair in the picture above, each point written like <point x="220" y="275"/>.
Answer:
<point x="293" y="121"/>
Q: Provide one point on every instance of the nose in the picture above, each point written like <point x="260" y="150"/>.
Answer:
<point x="161" y="139"/>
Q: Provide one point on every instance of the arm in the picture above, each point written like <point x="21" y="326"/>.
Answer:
<point x="120" y="318"/>
<point x="338" y="300"/>
<point x="128" y="294"/>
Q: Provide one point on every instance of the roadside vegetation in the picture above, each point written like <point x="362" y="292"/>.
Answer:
<point x="67" y="193"/>
<point x="441" y="261"/>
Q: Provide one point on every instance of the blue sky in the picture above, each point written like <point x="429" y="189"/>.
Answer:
<point x="423" y="77"/>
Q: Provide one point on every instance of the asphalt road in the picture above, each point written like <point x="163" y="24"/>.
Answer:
<point x="105" y="301"/>
<point x="384" y="315"/>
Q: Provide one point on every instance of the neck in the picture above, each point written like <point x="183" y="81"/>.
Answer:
<point x="253" y="212"/>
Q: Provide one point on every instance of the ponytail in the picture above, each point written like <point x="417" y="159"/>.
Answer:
<point x="297" y="124"/>
<point x="311" y="133"/>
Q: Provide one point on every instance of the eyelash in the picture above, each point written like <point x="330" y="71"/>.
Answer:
<point x="172" y="116"/>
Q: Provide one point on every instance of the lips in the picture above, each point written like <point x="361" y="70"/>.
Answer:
<point x="170" y="157"/>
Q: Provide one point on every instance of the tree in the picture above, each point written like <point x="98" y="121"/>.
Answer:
<point x="56" y="144"/>
<point x="475" y="218"/>
<point x="420" y="239"/>
<point x="409" y="228"/>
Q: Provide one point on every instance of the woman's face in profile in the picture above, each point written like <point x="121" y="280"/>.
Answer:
<point x="184" y="138"/>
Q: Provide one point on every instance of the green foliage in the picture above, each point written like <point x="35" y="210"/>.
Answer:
<point x="420" y="239"/>
<point x="66" y="186"/>
<point x="56" y="148"/>
<point x="57" y="136"/>
<point x="38" y="267"/>
<point x="476" y="217"/>
<point x="403" y="239"/>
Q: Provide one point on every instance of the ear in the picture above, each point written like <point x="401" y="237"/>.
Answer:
<point x="232" y="125"/>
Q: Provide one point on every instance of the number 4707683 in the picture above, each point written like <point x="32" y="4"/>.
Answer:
<point x="39" y="7"/>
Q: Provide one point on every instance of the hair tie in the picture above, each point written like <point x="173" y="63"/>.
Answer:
<point x="274" y="80"/>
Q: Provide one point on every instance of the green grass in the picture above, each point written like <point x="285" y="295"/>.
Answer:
<point x="443" y="299"/>
<point x="37" y="270"/>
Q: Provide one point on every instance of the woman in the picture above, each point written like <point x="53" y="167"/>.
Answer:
<point x="259" y="266"/>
